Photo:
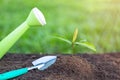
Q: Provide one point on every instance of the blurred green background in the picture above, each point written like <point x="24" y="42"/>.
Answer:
<point x="98" y="21"/>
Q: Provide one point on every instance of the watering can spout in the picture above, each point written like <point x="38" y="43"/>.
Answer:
<point x="35" y="18"/>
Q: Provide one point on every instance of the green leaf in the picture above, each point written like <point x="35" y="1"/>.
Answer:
<point x="65" y="40"/>
<point x="83" y="40"/>
<point x="75" y="35"/>
<point x="86" y="44"/>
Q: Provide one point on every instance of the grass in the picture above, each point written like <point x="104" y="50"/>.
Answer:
<point x="99" y="25"/>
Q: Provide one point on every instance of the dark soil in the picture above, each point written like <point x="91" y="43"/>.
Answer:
<point x="67" y="67"/>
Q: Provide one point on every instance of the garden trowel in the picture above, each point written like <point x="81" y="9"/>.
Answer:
<point x="41" y="64"/>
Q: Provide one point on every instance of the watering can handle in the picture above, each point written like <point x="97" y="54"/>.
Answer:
<point x="13" y="73"/>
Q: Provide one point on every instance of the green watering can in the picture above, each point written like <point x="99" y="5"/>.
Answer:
<point x="35" y="18"/>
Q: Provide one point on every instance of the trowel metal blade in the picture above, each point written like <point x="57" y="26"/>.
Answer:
<point x="46" y="60"/>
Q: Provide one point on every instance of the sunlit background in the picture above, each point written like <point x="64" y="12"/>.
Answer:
<point x="98" y="22"/>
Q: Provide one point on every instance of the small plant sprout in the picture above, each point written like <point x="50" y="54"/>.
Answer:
<point x="73" y="42"/>
<point x="35" y="18"/>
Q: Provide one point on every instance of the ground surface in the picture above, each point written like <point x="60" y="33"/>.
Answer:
<point x="67" y="67"/>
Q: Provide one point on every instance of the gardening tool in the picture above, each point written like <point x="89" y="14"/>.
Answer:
<point x="41" y="64"/>
<point x="35" y="18"/>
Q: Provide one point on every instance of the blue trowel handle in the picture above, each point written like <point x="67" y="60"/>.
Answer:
<point x="13" y="73"/>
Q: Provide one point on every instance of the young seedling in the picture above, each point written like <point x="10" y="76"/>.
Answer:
<point x="35" y="18"/>
<point x="73" y="43"/>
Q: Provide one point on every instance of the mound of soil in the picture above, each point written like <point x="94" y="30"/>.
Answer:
<point x="67" y="67"/>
